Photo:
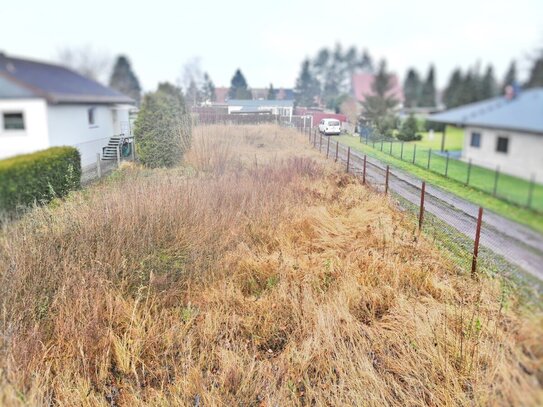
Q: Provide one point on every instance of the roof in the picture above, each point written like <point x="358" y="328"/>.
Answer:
<point x="55" y="83"/>
<point x="319" y="115"/>
<point x="523" y="113"/>
<point x="261" y="103"/>
<point x="362" y="84"/>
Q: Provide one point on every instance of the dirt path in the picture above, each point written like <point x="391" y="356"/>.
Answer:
<point x="518" y="244"/>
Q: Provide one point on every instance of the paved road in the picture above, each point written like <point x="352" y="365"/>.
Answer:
<point x="516" y="243"/>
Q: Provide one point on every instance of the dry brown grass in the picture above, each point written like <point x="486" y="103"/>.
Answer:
<point x="275" y="280"/>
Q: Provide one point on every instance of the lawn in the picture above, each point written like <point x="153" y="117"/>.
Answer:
<point x="514" y="190"/>
<point x="454" y="139"/>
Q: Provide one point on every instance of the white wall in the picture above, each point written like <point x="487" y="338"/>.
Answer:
<point x="35" y="135"/>
<point x="523" y="158"/>
<point x="69" y="126"/>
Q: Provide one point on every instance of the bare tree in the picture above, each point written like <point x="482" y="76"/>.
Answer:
<point x="192" y="73"/>
<point x="92" y="63"/>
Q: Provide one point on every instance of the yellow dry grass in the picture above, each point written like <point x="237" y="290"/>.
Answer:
<point x="257" y="274"/>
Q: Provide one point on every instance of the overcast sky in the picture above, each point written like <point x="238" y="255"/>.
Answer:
<point x="268" y="40"/>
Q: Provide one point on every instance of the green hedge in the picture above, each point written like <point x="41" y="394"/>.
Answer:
<point x="38" y="177"/>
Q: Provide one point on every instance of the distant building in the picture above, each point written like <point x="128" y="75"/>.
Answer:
<point x="317" y="115"/>
<point x="44" y="105"/>
<point x="505" y="131"/>
<point x="362" y="84"/>
<point x="221" y="94"/>
<point x="282" y="108"/>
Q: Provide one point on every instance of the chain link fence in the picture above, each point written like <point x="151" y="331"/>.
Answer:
<point x="474" y="240"/>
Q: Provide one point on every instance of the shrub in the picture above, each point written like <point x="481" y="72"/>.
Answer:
<point x="38" y="177"/>
<point x="439" y="127"/>
<point x="163" y="128"/>
<point x="408" y="131"/>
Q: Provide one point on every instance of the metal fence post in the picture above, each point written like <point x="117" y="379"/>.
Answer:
<point x="118" y="156"/>
<point x="133" y="149"/>
<point x="366" y="138"/>
<point x="337" y="150"/>
<point x="421" y="211"/>
<point x="497" y="175"/>
<point x="447" y="165"/>
<point x="386" y="180"/>
<point x="401" y="152"/>
<point x="390" y="151"/>
<point x="429" y="156"/>
<point x="364" y="171"/>
<point x="476" y="244"/>
<point x="414" y="153"/>
<point x="531" y="191"/>
<point x="315" y="140"/>
<point x="469" y="171"/>
<point x="320" y="144"/>
<point x="348" y="157"/>
<point x="327" y="147"/>
<point x="98" y="166"/>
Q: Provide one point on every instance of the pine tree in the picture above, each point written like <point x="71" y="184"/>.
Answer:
<point x="411" y="88"/>
<point x="536" y="74"/>
<point x="510" y="76"/>
<point x="124" y="80"/>
<point x="238" y="87"/>
<point x="193" y="94"/>
<point x="428" y="91"/>
<point x="489" y="86"/>
<point x="162" y="129"/>
<point x="409" y="129"/>
<point x="366" y="62"/>
<point x="378" y="108"/>
<point x="208" y="89"/>
<point x="307" y="87"/>
<point x="271" y="93"/>
<point x="451" y="95"/>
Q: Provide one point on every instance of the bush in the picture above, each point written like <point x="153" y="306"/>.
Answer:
<point x="38" y="177"/>
<point x="439" y="127"/>
<point x="409" y="129"/>
<point x="163" y="128"/>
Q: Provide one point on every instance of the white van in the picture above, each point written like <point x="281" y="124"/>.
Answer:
<point x="330" y="126"/>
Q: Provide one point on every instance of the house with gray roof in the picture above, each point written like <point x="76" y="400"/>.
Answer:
<point x="504" y="132"/>
<point x="44" y="105"/>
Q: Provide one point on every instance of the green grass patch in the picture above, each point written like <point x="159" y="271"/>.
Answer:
<point x="454" y="139"/>
<point x="481" y="185"/>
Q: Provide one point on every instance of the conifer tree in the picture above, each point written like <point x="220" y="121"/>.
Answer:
<point x="428" y="91"/>
<point x="271" y="93"/>
<point x="307" y="87"/>
<point x="124" y="80"/>
<point x="411" y="88"/>
<point x="238" y="87"/>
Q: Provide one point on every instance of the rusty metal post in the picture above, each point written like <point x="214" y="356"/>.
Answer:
<point x="327" y="147"/>
<point x="386" y="180"/>
<point x="348" y="157"/>
<point x="364" y="171"/>
<point x="401" y="153"/>
<point x="421" y="211"/>
<point x="476" y="244"/>
<point x="320" y="144"/>
<point x="337" y="150"/>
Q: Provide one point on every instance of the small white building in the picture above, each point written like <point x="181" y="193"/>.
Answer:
<point x="44" y="105"/>
<point x="281" y="108"/>
<point x="504" y="132"/>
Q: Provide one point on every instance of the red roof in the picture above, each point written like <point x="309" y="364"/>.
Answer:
<point x="221" y="94"/>
<point x="362" y="86"/>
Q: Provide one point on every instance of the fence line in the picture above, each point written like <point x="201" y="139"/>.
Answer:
<point x="474" y="243"/>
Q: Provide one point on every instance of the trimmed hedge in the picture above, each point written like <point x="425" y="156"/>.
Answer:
<point x="38" y="177"/>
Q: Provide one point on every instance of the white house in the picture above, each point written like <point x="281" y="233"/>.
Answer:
<point x="281" y="108"/>
<point x="504" y="132"/>
<point x="44" y="105"/>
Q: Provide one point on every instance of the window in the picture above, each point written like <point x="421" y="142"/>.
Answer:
<point x="475" y="140"/>
<point x="14" y="121"/>
<point x="502" y="145"/>
<point x="333" y="123"/>
<point x="90" y="115"/>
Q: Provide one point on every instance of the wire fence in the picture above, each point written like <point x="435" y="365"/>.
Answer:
<point x="475" y="241"/>
<point x="525" y="192"/>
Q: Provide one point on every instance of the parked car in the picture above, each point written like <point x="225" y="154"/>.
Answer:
<point x="329" y="127"/>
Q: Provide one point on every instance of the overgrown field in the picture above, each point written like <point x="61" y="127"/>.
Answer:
<point x="256" y="274"/>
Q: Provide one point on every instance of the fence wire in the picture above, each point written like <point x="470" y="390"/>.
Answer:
<point x="505" y="248"/>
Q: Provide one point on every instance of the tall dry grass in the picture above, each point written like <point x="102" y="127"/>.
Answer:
<point x="257" y="274"/>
